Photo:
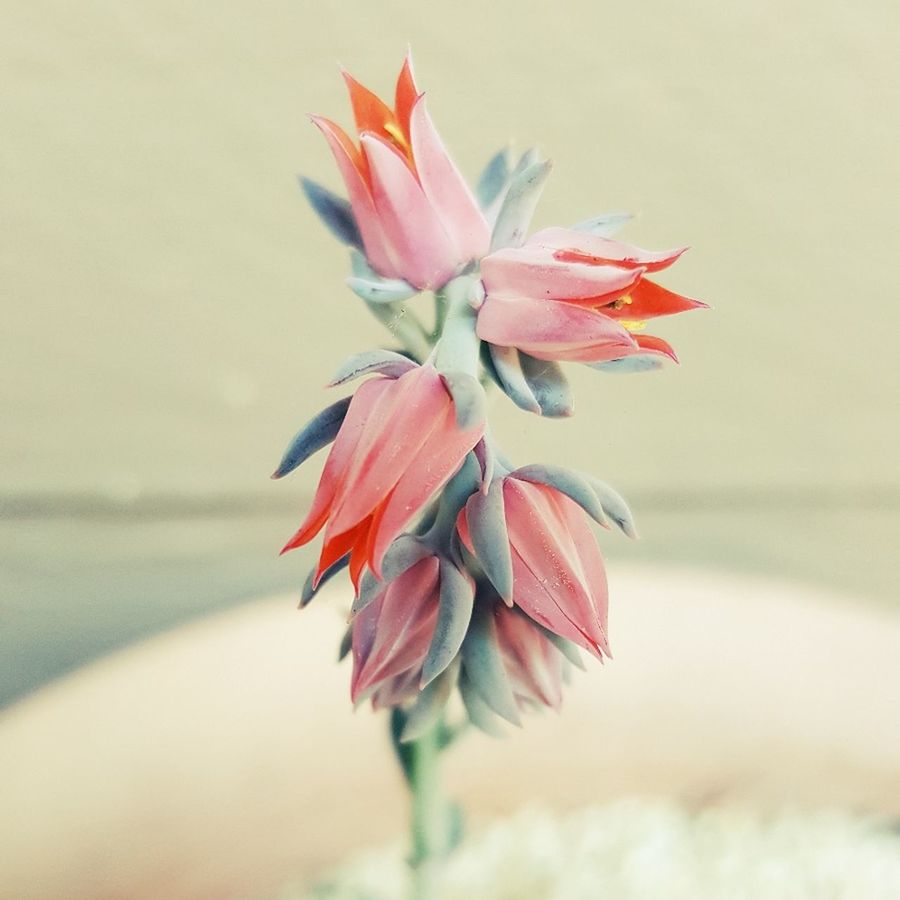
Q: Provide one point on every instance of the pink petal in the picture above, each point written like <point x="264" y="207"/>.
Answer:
<point x="592" y="250"/>
<point x="533" y="665"/>
<point x="552" y="570"/>
<point x="420" y="247"/>
<point x="649" y="343"/>
<point x="339" y="459"/>
<point x="534" y="272"/>
<point x="352" y="168"/>
<point x="550" y="329"/>
<point x="411" y="408"/>
<point x="393" y="633"/>
<point x="440" y="457"/>
<point x="446" y="189"/>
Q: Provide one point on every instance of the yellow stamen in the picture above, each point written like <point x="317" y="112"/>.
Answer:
<point x="623" y="301"/>
<point x="632" y="324"/>
<point x="394" y="131"/>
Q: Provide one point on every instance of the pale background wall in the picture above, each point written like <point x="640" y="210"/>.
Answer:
<point x="170" y="307"/>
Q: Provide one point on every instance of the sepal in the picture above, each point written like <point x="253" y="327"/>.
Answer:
<point x="335" y="212"/>
<point x="484" y="668"/>
<point x="320" y="431"/>
<point x="457" y="597"/>
<point x="519" y="205"/>
<point x="382" y="362"/>
<point x="614" y="505"/>
<point x="607" y="225"/>
<point x="573" y="485"/>
<point x="549" y="386"/>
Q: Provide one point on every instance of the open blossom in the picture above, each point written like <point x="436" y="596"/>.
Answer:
<point x="416" y="216"/>
<point x="537" y="548"/>
<point x="571" y="295"/>
<point x="398" y="444"/>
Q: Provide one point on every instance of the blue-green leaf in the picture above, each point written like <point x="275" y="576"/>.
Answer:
<point x="385" y="362"/>
<point x="547" y="383"/>
<point x="493" y="179"/>
<point x="484" y="666"/>
<point x="518" y="206"/>
<point x="384" y="290"/>
<point x="457" y="596"/>
<point x="565" y="481"/>
<point x="614" y="505"/>
<point x="468" y="399"/>
<point x="308" y="591"/>
<point x="320" y="431"/>
<point x="486" y="515"/>
<point x="511" y="378"/>
<point x="335" y="212"/>
<point x="480" y="714"/>
<point x="639" y="362"/>
<point x="429" y="705"/>
<point x="607" y="225"/>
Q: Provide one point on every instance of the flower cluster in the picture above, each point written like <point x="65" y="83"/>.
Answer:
<point x="469" y="574"/>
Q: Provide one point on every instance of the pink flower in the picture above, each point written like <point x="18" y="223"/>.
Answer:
<point x="392" y="634"/>
<point x="398" y="444"/>
<point x="416" y="216"/>
<point x="534" y="666"/>
<point x="572" y="295"/>
<point x="536" y="547"/>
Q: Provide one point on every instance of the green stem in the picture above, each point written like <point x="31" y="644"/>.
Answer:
<point x="429" y="813"/>
<point x="435" y="824"/>
<point x="404" y="325"/>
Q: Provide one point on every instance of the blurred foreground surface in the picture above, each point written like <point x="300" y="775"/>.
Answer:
<point x="224" y="760"/>
<point x="646" y="851"/>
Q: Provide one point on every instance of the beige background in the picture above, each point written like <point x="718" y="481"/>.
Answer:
<point x="171" y="307"/>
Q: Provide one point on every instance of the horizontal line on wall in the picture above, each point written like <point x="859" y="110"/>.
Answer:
<point x="161" y="506"/>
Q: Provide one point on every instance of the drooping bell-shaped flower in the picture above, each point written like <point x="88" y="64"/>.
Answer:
<point x="570" y="295"/>
<point x="415" y="216"/>
<point x="534" y="664"/>
<point x="530" y="535"/>
<point x="408" y="628"/>
<point x="396" y="443"/>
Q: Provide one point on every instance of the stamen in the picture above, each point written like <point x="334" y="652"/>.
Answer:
<point x="632" y="324"/>
<point x="394" y="131"/>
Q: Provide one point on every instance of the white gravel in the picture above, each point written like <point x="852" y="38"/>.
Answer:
<point x="643" y="851"/>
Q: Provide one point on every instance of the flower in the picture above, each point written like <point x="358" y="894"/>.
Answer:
<point x="536" y="547"/>
<point x="417" y="218"/>
<point x="534" y="666"/>
<point x="398" y="443"/>
<point x="407" y="630"/>
<point x="392" y="634"/>
<point x="571" y="295"/>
